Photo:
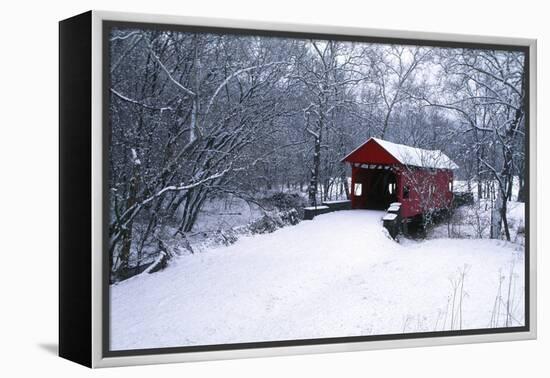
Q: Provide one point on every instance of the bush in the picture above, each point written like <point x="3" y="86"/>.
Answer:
<point x="285" y="201"/>
<point x="274" y="220"/>
<point x="291" y="217"/>
<point x="226" y="237"/>
<point x="291" y="206"/>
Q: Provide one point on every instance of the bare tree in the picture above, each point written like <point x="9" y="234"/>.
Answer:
<point x="329" y="72"/>
<point x="486" y="89"/>
<point x="395" y="71"/>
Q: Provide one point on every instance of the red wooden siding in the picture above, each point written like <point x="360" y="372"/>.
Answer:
<point x="428" y="189"/>
<point x="371" y="153"/>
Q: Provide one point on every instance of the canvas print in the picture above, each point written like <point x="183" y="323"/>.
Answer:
<point x="278" y="187"/>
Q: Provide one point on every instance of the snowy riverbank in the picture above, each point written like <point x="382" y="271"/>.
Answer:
<point x="338" y="275"/>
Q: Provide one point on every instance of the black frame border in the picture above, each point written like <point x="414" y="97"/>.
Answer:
<point x="75" y="189"/>
<point x="108" y="25"/>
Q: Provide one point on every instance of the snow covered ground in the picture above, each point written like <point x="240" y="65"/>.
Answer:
<point x="338" y="275"/>
<point x="474" y="221"/>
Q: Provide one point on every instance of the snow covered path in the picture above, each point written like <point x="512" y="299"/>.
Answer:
<point x="338" y="275"/>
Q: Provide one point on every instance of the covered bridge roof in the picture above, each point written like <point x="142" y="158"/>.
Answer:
<point x="379" y="151"/>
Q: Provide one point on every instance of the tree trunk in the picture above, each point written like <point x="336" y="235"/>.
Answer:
<point x="509" y="189"/>
<point x="495" y="220"/>
<point x="521" y="189"/>
<point x="345" y="184"/>
<point x="505" y="188"/>
<point x="125" y="250"/>
<point x="504" y="217"/>
<point x="192" y="206"/>
<point x="314" y="181"/>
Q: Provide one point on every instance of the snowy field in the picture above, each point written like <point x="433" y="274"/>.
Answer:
<point x="338" y="275"/>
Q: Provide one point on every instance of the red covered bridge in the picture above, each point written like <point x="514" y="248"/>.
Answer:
<point x="383" y="172"/>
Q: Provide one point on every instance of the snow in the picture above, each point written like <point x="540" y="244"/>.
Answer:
<point x="135" y="157"/>
<point x="410" y="156"/>
<point x="417" y="157"/>
<point x="336" y="202"/>
<point x="226" y="213"/>
<point x="218" y="215"/>
<point x="155" y="263"/>
<point x="472" y="186"/>
<point x="474" y="221"/>
<point x="393" y="208"/>
<point x="337" y="275"/>
<point x="321" y="207"/>
<point x="389" y="217"/>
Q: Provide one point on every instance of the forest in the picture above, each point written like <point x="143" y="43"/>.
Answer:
<point x="196" y="117"/>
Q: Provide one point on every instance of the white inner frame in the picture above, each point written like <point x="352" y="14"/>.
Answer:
<point x="97" y="207"/>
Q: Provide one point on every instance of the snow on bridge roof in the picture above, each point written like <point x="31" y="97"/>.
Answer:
<point x="417" y="156"/>
<point x="413" y="156"/>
